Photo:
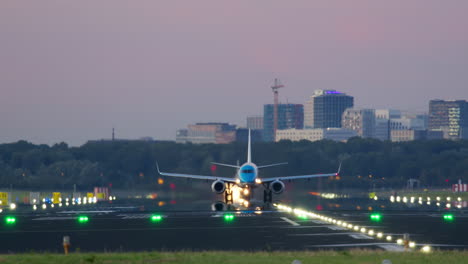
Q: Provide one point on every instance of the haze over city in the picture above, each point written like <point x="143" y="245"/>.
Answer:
<point x="70" y="71"/>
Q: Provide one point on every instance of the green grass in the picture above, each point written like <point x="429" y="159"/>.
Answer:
<point x="329" y="257"/>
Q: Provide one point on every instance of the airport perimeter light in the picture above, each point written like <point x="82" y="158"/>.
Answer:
<point x="228" y="217"/>
<point x="156" y="218"/>
<point x="376" y="217"/>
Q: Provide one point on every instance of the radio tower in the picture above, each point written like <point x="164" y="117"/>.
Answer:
<point x="275" y="88"/>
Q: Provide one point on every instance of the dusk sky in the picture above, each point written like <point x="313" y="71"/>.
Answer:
<point x="72" y="70"/>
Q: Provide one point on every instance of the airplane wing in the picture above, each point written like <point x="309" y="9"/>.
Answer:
<point x="199" y="177"/>
<point x="284" y="178"/>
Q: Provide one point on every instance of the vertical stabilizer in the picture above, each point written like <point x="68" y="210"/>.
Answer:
<point x="249" y="156"/>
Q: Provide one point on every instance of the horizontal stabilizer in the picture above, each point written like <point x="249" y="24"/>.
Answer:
<point x="226" y="165"/>
<point x="271" y="165"/>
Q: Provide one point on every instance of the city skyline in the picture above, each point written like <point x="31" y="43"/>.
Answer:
<point x="72" y="71"/>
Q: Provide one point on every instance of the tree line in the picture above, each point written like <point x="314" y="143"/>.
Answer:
<point x="124" y="164"/>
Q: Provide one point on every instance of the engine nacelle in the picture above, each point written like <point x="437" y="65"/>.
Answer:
<point x="218" y="186"/>
<point x="218" y="206"/>
<point x="277" y="187"/>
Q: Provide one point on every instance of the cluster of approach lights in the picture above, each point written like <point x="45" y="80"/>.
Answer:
<point x="302" y="214"/>
<point x="50" y="203"/>
<point x="439" y="201"/>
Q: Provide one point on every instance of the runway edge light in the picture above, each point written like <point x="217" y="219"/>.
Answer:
<point x="448" y="217"/>
<point x="10" y="220"/>
<point x="228" y="217"/>
<point x="156" y="218"/>
<point x="376" y="217"/>
<point x="83" y="219"/>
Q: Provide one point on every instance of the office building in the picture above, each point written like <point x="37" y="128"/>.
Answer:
<point x="360" y="120"/>
<point x="325" y="109"/>
<point x="289" y="116"/>
<point x="315" y="134"/>
<point x="202" y="133"/>
<point x="449" y="116"/>
<point x="255" y="122"/>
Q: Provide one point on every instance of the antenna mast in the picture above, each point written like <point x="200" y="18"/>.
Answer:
<point x="277" y="84"/>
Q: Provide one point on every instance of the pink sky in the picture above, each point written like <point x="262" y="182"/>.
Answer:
<point x="70" y="70"/>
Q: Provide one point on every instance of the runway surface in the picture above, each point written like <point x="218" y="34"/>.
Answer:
<point x="129" y="228"/>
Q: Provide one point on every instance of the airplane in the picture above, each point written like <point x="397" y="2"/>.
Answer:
<point x="247" y="177"/>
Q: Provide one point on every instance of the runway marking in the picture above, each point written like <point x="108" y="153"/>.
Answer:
<point x="360" y="236"/>
<point x="322" y="234"/>
<point x="395" y="248"/>
<point x="134" y="216"/>
<point x="319" y="222"/>
<point x="84" y="212"/>
<point x="356" y="245"/>
<point x="54" y="218"/>
<point x="336" y="228"/>
<point x="290" y="221"/>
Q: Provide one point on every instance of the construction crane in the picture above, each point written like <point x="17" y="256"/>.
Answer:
<point x="277" y="84"/>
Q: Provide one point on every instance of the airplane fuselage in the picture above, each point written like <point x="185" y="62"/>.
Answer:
<point x="248" y="173"/>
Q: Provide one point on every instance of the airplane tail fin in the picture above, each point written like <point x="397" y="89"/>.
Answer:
<point x="249" y="151"/>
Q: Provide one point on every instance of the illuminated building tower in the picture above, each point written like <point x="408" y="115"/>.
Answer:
<point x="325" y="108"/>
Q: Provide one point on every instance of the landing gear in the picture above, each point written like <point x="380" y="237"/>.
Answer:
<point x="228" y="199"/>
<point x="267" y="196"/>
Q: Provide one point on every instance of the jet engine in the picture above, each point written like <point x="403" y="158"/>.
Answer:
<point x="218" y="186"/>
<point x="218" y="206"/>
<point x="277" y="187"/>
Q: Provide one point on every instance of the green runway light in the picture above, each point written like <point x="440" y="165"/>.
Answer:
<point x="376" y="217"/>
<point x="10" y="220"/>
<point x="156" y="218"/>
<point x="449" y="217"/>
<point x="303" y="217"/>
<point x="228" y="217"/>
<point x="83" y="219"/>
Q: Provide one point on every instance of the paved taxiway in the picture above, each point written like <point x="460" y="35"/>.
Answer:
<point x="112" y="230"/>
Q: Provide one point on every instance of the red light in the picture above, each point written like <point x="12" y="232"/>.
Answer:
<point x="446" y="180"/>
<point x="172" y="186"/>
<point x="319" y="208"/>
<point x="213" y="168"/>
<point x="173" y="202"/>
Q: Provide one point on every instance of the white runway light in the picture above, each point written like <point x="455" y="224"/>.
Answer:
<point x="355" y="228"/>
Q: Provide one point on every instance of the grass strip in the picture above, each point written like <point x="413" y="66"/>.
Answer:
<point x="329" y="257"/>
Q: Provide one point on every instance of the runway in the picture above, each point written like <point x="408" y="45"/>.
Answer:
<point x="126" y="228"/>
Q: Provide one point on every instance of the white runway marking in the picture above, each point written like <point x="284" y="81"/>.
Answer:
<point x="360" y="236"/>
<point x="319" y="222"/>
<point x="395" y="248"/>
<point x="336" y="228"/>
<point x="386" y="246"/>
<point x="322" y="234"/>
<point x="290" y="221"/>
<point x="54" y="218"/>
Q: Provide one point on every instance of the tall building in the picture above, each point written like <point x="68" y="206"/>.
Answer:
<point x="289" y="116"/>
<point x="451" y="117"/>
<point x="382" y="122"/>
<point x="255" y="122"/>
<point x="325" y="108"/>
<point x="360" y="120"/>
